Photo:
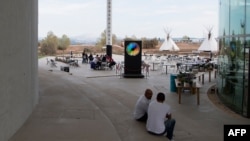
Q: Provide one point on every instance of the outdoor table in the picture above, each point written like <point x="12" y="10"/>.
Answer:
<point x="209" y="74"/>
<point x="180" y="87"/>
<point x="215" y="73"/>
<point x="154" y="63"/>
<point x="167" y="67"/>
<point x="190" y="64"/>
<point x="200" y="76"/>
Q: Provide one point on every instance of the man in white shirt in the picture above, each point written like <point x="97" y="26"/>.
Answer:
<point x="159" y="118"/>
<point x="141" y="107"/>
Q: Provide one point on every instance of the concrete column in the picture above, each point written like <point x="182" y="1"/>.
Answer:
<point x="18" y="64"/>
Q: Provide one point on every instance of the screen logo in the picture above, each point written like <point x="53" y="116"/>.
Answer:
<point x="133" y="49"/>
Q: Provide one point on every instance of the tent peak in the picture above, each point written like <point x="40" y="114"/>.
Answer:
<point x="168" y="43"/>
<point x="209" y="44"/>
<point x="167" y="31"/>
<point x="209" y="29"/>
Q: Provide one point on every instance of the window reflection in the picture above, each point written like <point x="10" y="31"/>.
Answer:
<point x="233" y="57"/>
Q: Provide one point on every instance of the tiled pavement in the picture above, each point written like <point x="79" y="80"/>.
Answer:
<point x="89" y="105"/>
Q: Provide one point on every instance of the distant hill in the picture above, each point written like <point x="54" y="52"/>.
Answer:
<point x="83" y="39"/>
<point x="80" y="40"/>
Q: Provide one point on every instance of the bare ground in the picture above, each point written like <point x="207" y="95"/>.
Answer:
<point x="212" y="95"/>
<point x="185" y="48"/>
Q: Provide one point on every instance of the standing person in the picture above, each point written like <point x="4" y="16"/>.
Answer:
<point x="71" y="54"/>
<point x="86" y="57"/>
<point x="91" y="57"/>
<point x="83" y="57"/>
<point x="141" y="106"/>
<point x="159" y="118"/>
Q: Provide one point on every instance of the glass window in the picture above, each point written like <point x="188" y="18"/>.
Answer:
<point x="224" y="18"/>
<point x="234" y="47"/>
<point x="237" y="17"/>
<point x="247" y="16"/>
<point x="246" y="80"/>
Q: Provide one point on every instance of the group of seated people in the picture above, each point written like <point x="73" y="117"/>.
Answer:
<point x="97" y="62"/>
<point x="155" y="113"/>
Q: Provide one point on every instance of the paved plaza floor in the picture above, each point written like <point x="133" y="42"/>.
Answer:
<point x="96" y="105"/>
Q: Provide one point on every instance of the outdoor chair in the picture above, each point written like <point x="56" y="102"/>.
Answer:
<point x="172" y="68"/>
<point x="52" y="63"/>
<point x="104" y="65"/>
<point x="48" y="62"/>
<point x="162" y="67"/>
<point x="145" y="69"/>
<point x="73" y="63"/>
<point x="118" y="69"/>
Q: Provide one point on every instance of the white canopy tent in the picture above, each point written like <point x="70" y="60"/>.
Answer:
<point x="209" y="44"/>
<point x="169" y="44"/>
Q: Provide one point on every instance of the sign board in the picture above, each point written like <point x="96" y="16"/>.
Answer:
<point x="132" y="60"/>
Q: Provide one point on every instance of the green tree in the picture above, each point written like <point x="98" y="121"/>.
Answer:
<point x="149" y="43"/>
<point x="63" y="42"/>
<point x="133" y="37"/>
<point x="185" y="38"/>
<point x="49" y="44"/>
<point x="102" y="40"/>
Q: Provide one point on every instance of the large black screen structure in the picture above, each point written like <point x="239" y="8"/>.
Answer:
<point x="132" y="60"/>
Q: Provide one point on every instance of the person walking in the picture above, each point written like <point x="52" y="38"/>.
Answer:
<point x="159" y="120"/>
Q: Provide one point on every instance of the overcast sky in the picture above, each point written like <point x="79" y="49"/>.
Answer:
<point x="141" y="18"/>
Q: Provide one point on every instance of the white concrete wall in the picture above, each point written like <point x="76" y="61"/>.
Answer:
<point x="18" y="63"/>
